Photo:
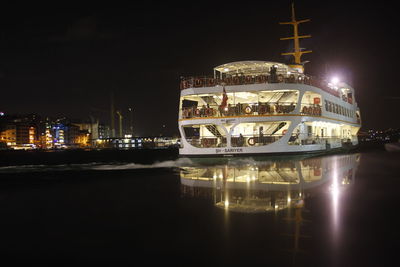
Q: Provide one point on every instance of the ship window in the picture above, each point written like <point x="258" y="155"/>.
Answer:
<point x="258" y="133"/>
<point x="205" y="135"/>
<point x="188" y="103"/>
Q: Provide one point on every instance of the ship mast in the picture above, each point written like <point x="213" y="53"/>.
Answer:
<point x="297" y="53"/>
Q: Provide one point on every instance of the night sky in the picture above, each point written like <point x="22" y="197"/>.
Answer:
<point x="66" y="61"/>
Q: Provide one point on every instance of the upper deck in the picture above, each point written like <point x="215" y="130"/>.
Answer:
<point x="264" y="72"/>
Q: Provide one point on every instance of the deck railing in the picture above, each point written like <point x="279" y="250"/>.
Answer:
<point x="262" y="140"/>
<point x="236" y="141"/>
<point x="209" y="81"/>
<point x="315" y="139"/>
<point x="207" y="141"/>
<point x="254" y="140"/>
<point x="249" y="109"/>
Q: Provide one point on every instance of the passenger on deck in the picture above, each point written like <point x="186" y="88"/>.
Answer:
<point x="203" y="111"/>
<point x="240" y="141"/>
<point x="291" y="107"/>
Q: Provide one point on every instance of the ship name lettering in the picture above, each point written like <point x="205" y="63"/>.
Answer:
<point x="229" y="150"/>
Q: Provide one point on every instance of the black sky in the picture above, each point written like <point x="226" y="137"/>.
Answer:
<point x="65" y="61"/>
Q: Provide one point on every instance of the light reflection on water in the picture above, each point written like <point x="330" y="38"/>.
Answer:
<point x="271" y="187"/>
<point x="335" y="194"/>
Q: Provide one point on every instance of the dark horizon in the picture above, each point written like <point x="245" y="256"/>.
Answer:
<point x="67" y="61"/>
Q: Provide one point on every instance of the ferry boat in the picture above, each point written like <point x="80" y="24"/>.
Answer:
<point x="262" y="107"/>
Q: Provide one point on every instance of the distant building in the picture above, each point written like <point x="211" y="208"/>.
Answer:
<point x="8" y="134"/>
<point x="58" y="135"/>
<point x="130" y="142"/>
<point x="75" y="137"/>
<point x="104" y="131"/>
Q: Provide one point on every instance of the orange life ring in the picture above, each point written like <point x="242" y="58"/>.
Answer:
<point x="300" y="79"/>
<point x="197" y="112"/>
<point x="228" y="81"/>
<point x="292" y="78"/>
<point x="248" y="110"/>
<point x="262" y="109"/>
<point x="251" y="141"/>
<point x="248" y="79"/>
<point x="185" y="84"/>
<point x="259" y="79"/>
<point x="305" y="110"/>
<point x="284" y="132"/>
<point x="205" y="142"/>
<point x="185" y="113"/>
<point x="280" y="78"/>
<point x="236" y="80"/>
<point x="210" y="82"/>
<point x="198" y="83"/>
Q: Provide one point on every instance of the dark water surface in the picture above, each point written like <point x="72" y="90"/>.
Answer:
<point x="335" y="210"/>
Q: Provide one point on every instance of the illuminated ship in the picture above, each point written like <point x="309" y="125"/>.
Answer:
<point x="261" y="107"/>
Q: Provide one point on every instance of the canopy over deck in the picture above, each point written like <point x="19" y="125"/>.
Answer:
<point x="252" y="68"/>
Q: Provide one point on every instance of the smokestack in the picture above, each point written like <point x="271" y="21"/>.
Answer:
<point x="120" y="123"/>
<point x="131" y="120"/>
<point x="112" y="126"/>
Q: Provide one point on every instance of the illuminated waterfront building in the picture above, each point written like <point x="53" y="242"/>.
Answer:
<point x="8" y="134"/>
<point x="48" y="138"/>
<point x="19" y="132"/>
<point x="58" y="131"/>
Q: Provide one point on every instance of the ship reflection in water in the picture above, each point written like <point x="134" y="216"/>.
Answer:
<point x="277" y="188"/>
<point x="263" y="186"/>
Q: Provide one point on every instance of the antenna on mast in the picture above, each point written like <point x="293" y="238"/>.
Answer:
<point x="297" y="53"/>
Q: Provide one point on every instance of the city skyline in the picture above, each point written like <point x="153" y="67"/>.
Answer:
<point x="68" y="61"/>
